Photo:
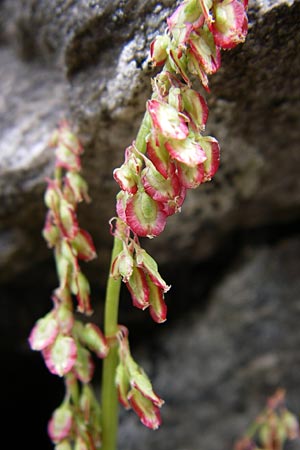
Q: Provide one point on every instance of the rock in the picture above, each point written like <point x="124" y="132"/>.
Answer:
<point x="86" y="60"/>
<point x="216" y="367"/>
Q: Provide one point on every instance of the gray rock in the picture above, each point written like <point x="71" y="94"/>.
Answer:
<point x="86" y="60"/>
<point x="216" y="367"/>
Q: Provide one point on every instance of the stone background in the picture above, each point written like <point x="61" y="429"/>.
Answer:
<point x="232" y="255"/>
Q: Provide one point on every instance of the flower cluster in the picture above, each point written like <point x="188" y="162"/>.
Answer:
<point x="134" y="387"/>
<point x="75" y="423"/>
<point x="272" y="428"/>
<point x="171" y="154"/>
<point x="139" y="272"/>
<point x="66" y="344"/>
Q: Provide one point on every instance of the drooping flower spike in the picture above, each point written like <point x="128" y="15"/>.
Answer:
<point x="175" y="155"/>
<point x="139" y="272"/>
<point x="134" y="387"/>
<point x="64" y="342"/>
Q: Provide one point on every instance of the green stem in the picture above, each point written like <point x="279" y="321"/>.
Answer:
<point x="109" y="390"/>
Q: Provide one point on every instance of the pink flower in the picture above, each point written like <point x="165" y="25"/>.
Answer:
<point x="83" y="366"/>
<point x="60" y="424"/>
<point x="167" y="120"/>
<point x="145" y="216"/>
<point x="212" y="151"/>
<point x="188" y="151"/>
<point x="135" y="389"/>
<point x="157" y="187"/>
<point x="148" y="412"/>
<point x="158" y="307"/>
<point x="195" y="67"/>
<point x="231" y="24"/>
<point x="44" y="332"/>
<point x="148" y="264"/>
<point x="60" y="356"/>
<point x="92" y="337"/>
<point x="195" y="107"/>
<point x="190" y="177"/>
<point x="138" y="288"/>
<point x="158" y="50"/>
<point x="205" y="50"/>
<point x="83" y="293"/>
<point x="160" y="158"/>
<point x="84" y="246"/>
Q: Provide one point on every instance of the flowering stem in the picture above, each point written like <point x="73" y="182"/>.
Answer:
<point x="109" y="391"/>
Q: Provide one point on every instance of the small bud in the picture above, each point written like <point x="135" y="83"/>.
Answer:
<point x="205" y="51"/>
<point x="78" y="187"/>
<point x="60" y="424"/>
<point x="44" y="332"/>
<point x="84" y="246"/>
<point x="84" y="366"/>
<point x="161" y="84"/>
<point x="50" y="231"/>
<point x="83" y="294"/>
<point x="66" y="158"/>
<point x="181" y="22"/>
<point x="196" y="107"/>
<point x="175" y="98"/>
<point x="211" y="148"/>
<point x="64" y="269"/>
<point x="125" y="178"/>
<point x="128" y="174"/>
<point x="179" y="65"/>
<point x="122" y="266"/>
<point x="94" y="339"/>
<point x="140" y="381"/>
<point x="138" y="288"/>
<point x="121" y="199"/>
<point x="65" y="317"/>
<point x="196" y="68"/>
<point x="119" y="229"/>
<point x="52" y="197"/>
<point x="123" y="385"/>
<point x="167" y="120"/>
<point x="158" y="308"/>
<point x="86" y="399"/>
<point x="69" y="139"/>
<point x="158" y="50"/>
<point x="68" y="219"/>
<point x="60" y="357"/>
<point x="149" y="265"/>
<point x="148" y="413"/>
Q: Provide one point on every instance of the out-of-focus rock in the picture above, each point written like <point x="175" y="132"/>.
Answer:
<point x="215" y="368"/>
<point x="86" y="60"/>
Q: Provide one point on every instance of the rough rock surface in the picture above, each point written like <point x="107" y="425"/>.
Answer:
<point x="215" y="368"/>
<point x="87" y="60"/>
